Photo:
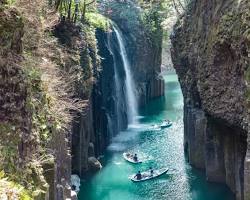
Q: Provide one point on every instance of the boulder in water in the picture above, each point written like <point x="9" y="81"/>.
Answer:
<point x="94" y="164"/>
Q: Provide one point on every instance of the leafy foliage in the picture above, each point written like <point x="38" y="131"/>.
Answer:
<point x="97" y="20"/>
<point x="43" y="120"/>
<point x="12" y="190"/>
<point x="120" y="11"/>
<point x="152" y="19"/>
<point x="11" y="2"/>
<point x="163" y="13"/>
<point x="26" y="170"/>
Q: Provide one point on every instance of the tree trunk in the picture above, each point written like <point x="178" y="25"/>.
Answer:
<point x="84" y="11"/>
<point x="76" y="12"/>
<point x="181" y="4"/>
<point x="69" y="10"/>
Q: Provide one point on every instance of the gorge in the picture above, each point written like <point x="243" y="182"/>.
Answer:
<point x="82" y="82"/>
<point x="182" y="182"/>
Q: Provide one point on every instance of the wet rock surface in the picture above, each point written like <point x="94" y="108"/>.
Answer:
<point x="94" y="164"/>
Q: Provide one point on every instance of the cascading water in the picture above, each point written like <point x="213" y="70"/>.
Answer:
<point x="110" y="127"/>
<point x="117" y="85"/>
<point x="132" y="106"/>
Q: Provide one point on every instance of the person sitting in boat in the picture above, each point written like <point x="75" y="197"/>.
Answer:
<point x="129" y="155"/>
<point x="138" y="175"/>
<point x="135" y="158"/>
<point x="151" y="171"/>
<point x="167" y="121"/>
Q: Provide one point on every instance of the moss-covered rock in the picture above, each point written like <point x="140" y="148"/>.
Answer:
<point x="11" y="31"/>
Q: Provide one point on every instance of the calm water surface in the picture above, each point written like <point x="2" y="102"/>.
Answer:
<point x="164" y="148"/>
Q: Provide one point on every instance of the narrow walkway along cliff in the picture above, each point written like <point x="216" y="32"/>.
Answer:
<point x="211" y="54"/>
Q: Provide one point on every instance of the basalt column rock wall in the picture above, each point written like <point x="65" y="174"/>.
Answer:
<point x="109" y="96"/>
<point x="100" y="120"/>
<point x="145" y="58"/>
<point x="211" y="48"/>
<point x="145" y="54"/>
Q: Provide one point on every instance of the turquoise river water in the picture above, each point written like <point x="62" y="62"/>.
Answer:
<point x="164" y="148"/>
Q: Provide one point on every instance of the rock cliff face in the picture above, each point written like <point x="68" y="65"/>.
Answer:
<point x="143" y="46"/>
<point x="110" y="115"/>
<point x="92" y="132"/>
<point x="145" y="58"/>
<point x="27" y="127"/>
<point x="211" y="54"/>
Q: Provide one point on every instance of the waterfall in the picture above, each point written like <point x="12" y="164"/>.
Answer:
<point x="118" y="84"/>
<point x="129" y="82"/>
<point x="110" y="127"/>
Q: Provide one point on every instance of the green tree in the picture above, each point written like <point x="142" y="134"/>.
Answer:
<point x="72" y="9"/>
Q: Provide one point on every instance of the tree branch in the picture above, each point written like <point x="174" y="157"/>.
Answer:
<point x="90" y="3"/>
<point x="176" y="7"/>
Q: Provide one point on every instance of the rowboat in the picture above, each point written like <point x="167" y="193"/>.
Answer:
<point x="147" y="175"/>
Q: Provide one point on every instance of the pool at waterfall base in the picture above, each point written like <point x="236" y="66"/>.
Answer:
<point x="163" y="147"/>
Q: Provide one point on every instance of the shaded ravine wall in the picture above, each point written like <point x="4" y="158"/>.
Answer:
<point x="211" y="48"/>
